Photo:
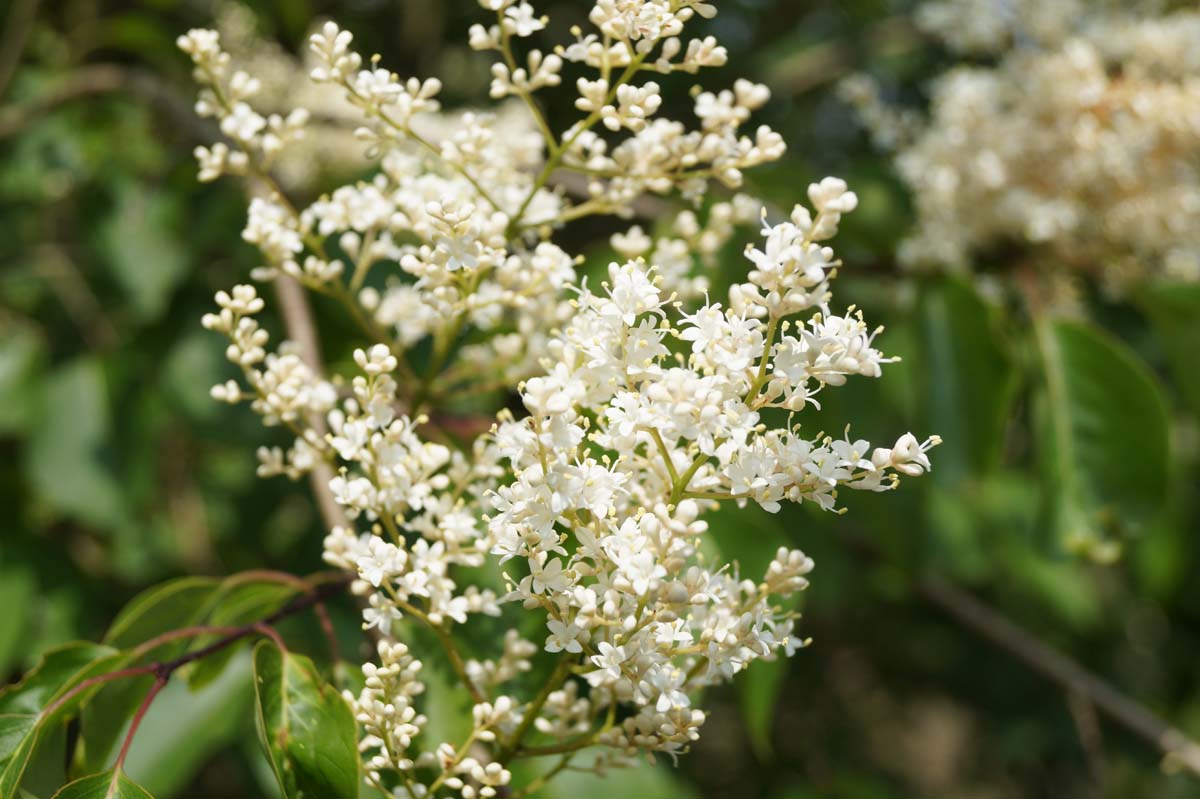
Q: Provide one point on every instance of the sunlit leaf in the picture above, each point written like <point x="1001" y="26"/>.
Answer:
<point x="21" y="356"/>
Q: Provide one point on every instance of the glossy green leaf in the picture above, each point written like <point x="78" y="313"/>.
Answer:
<point x="24" y="720"/>
<point x="1174" y="309"/>
<point x="1106" y="435"/>
<point x="111" y="784"/>
<point x="968" y="381"/>
<point x="306" y="727"/>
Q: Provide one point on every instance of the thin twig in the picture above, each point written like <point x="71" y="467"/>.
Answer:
<point x="1178" y="749"/>
<point x="298" y="321"/>
<point x="1091" y="738"/>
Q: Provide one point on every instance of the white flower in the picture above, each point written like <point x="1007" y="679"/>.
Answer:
<point x="563" y="637"/>
<point x="608" y="663"/>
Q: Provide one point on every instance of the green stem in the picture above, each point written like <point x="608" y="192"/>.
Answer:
<point x="556" y="154"/>
<point x="557" y="678"/>
<point x="541" y="781"/>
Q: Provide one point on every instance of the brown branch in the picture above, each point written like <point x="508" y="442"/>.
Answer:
<point x="1178" y="749"/>
<point x="298" y="321"/>
<point x="1091" y="738"/>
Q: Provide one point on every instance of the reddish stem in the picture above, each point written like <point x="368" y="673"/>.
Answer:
<point x="134" y="671"/>
<point x="159" y="684"/>
<point x="271" y="633"/>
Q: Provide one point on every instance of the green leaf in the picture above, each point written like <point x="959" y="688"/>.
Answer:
<point x="184" y="727"/>
<point x="305" y="726"/>
<point x="168" y="606"/>
<point x="968" y="380"/>
<point x="639" y="780"/>
<point x="1174" y="310"/>
<point x="178" y="603"/>
<point x="21" y="356"/>
<point x="17" y="592"/>
<point x="24" y="721"/>
<point x="758" y="697"/>
<point x="145" y="258"/>
<point x="111" y="784"/>
<point x="236" y="603"/>
<point x="65" y="463"/>
<point x="1106" y="435"/>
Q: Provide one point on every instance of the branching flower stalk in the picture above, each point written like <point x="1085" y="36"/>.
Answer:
<point x="646" y="405"/>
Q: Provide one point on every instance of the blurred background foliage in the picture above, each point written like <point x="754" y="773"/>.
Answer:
<point x="117" y="471"/>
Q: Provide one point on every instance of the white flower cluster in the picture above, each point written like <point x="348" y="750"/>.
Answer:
<point x="643" y="412"/>
<point x="1078" y="143"/>
<point x="626" y="445"/>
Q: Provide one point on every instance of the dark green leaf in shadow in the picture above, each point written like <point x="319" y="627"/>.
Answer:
<point x="968" y="380"/>
<point x="1174" y="310"/>
<point x="1105" y="437"/>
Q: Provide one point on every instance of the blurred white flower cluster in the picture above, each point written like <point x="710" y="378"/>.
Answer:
<point x="1073" y="133"/>
<point x="643" y="407"/>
